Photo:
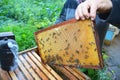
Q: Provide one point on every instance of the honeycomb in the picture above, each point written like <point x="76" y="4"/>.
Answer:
<point x="71" y="43"/>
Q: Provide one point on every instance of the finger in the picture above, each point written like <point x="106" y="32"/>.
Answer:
<point x="85" y="10"/>
<point x="81" y="15"/>
<point x="78" y="13"/>
<point x="93" y="10"/>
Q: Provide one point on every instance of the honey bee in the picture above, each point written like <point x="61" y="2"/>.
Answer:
<point x="95" y="49"/>
<point x="86" y="56"/>
<point x="78" y="30"/>
<point x="80" y="46"/>
<point x="77" y="51"/>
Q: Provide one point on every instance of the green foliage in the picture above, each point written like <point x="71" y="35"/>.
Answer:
<point x="24" y="35"/>
<point x="105" y="56"/>
<point x="93" y="74"/>
<point x="106" y="74"/>
<point x="31" y="11"/>
<point x="101" y="74"/>
<point x="24" y="17"/>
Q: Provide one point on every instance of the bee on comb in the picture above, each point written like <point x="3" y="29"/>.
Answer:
<point x="70" y="43"/>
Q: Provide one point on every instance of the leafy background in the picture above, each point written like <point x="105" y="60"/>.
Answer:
<point x="24" y="17"/>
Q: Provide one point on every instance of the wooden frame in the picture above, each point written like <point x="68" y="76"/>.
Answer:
<point x="89" y="57"/>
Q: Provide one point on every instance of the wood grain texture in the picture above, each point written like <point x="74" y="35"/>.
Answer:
<point x="30" y="67"/>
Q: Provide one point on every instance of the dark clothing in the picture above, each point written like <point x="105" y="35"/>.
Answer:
<point x="68" y="12"/>
<point x="114" y="16"/>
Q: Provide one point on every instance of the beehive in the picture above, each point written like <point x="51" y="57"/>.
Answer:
<point x="72" y="43"/>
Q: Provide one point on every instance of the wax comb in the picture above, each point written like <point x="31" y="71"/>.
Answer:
<point x="71" y="43"/>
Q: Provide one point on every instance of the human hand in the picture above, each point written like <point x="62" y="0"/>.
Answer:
<point x="89" y="8"/>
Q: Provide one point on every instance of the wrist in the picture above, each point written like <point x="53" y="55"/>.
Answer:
<point x="104" y="6"/>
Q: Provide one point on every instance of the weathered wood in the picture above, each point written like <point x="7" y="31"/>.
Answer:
<point x="37" y="70"/>
<point x="13" y="75"/>
<point x="47" y="66"/>
<point x="25" y="72"/>
<point x="4" y="75"/>
<point x="19" y="74"/>
<point x="8" y="35"/>
<point x="50" y="76"/>
<point x="75" y="73"/>
<point x="28" y="50"/>
<point x="85" y="77"/>
<point x="67" y="73"/>
<point x="30" y="67"/>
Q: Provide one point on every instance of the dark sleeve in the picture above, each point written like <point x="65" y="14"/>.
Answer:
<point x="114" y="16"/>
<point x="68" y="11"/>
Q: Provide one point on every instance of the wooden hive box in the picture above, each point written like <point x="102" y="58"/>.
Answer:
<point x="31" y="68"/>
<point x="7" y="35"/>
<point x="71" y="43"/>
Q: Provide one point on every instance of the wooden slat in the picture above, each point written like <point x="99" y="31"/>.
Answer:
<point x="36" y="55"/>
<point x="47" y="66"/>
<point x="36" y="69"/>
<point x="28" y="76"/>
<point x="81" y="74"/>
<point x="66" y="72"/>
<point x="29" y="68"/>
<point x="19" y="74"/>
<point x="74" y="73"/>
<point x="4" y="75"/>
<point x="28" y="50"/>
<point x="53" y="72"/>
<point x="41" y="67"/>
<point x="13" y="76"/>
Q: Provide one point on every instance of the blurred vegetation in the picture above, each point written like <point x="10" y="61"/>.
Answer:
<point x="24" y="17"/>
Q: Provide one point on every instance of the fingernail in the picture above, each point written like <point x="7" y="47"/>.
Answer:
<point x="76" y="18"/>
<point x="92" y="19"/>
<point x="83" y="18"/>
